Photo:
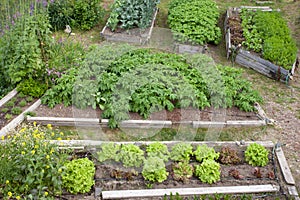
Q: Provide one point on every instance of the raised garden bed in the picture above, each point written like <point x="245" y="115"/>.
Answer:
<point x="114" y="181"/>
<point x="234" y="37"/>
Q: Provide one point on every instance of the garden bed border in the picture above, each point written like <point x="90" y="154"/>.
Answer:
<point x="8" y="96"/>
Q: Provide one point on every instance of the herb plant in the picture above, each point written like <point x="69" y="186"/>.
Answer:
<point x="194" y="21"/>
<point x="203" y="152"/>
<point x="16" y="110"/>
<point x="208" y="171"/>
<point x="131" y="155"/>
<point x="23" y="103"/>
<point x="108" y="151"/>
<point x="159" y="150"/>
<point x="181" y="152"/>
<point x="256" y="155"/>
<point x="79" y="175"/>
<point x="154" y="170"/>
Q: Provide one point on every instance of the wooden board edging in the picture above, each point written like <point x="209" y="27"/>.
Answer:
<point x="120" y="194"/>
<point x="285" y="169"/>
<point x="65" y="121"/>
<point x="7" y="97"/>
<point x="16" y="121"/>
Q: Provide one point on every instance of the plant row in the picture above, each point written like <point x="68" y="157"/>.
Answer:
<point x="34" y="168"/>
<point x="194" y="21"/>
<point x="156" y="155"/>
<point x="121" y="78"/>
<point x="128" y="14"/>
<point x="267" y="33"/>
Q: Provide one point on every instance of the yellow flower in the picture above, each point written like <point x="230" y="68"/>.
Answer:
<point x="59" y="170"/>
<point x="18" y="197"/>
<point x="23" y="143"/>
<point x="49" y="126"/>
<point x="9" y="194"/>
<point x="2" y="137"/>
<point x="47" y="157"/>
<point x="52" y="134"/>
<point x="61" y="133"/>
<point x="22" y="130"/>
<point x="8" y="136"/>
<point x="51" y="151"/>
<point x="34" y="123"/>
<point x="59" y="138"/>
<point x="23" y="152"/>
<point x="46" y="193"/>
<point x="47" y="166"/>
<point x="33" y="152"/>
<point x="7" y="182"/>
<point x="36" y="146"/>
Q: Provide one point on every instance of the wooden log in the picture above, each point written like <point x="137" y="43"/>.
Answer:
<point x="287" y="174"/>
<point x="121" y="194"/>
<point x="16" y="121"/>
<point x="7" y="97"/>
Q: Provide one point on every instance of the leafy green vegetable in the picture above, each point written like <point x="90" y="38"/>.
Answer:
<point x="155" y="170"/>
<point x="108" y="152"/>
<point x="203" y="152"/>
<point x="131" y="155"/>
<point x="194" y="21"/>
<point x="182" y="171"/>
<point x="256" y="155"/>
<point x="208" y="171"/>
<point x="181" y="152"/>
<point x="79" y="176"/>
<point x="159" y="150"/>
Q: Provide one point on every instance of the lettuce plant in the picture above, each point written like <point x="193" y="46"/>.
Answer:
<point x="208" y="171"/>
<point x="159" y="150"/>
<point x="154" y="170"/>
<point x="131" y="155"/>
<point x="204" y="152"/>
<point x="182" y="171"/>
<point x="256" y="155"/>
<point x="181" y="152"/>
<point x="109" y="152"/>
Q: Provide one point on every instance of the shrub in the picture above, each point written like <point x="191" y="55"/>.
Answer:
<point x="229" y="156"/>
<point x="32" y="87"/>
<point x="154" y="170"/>
<point x="208" y="171"/>
<point x="16" y="110"/>
<point x="256" y="155"/>
<point x="131" y="155"/>
<point x="79" y="175"/>
<point x="194" y="21"/>
<point x="31" y="166"/>
<point x="159" y="150"/>
<point x="23" y="103"/>
<point x="203" y="152"/>
<point x="60" y="13"/>
<point x="181" y="152"/>
<point x="108" y="152"/>
<point x="182" y="171"/>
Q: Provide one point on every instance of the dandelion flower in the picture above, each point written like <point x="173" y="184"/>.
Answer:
<point x="9" y="194"/>
<point x="18" y="197"/>
<point x="59" y="138"/>
<point x="2" y="137"/>
<point x="33" y="152"/>
<point x="49" y="126"/>
<point x="7" y="182"/>
<point x="46" y="193"/>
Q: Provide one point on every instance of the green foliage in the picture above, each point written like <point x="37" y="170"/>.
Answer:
<point x="62" y="91"/>
<point x="268" y="32"/>
<point x="79" y="175"/>
<point x="32" y="87"/>
<point x="181" y="152"/>
<point x="131" y="13"/>
<point x="29" y="113"/>
<point x="203" y="152"/>
<point x="108" y="152"/>
<point x="182" y="171"/>
<point x="131" y="155"/>
<point x="21" y="95"/>
<point x="31" y="167"/>
<point x="208" y="171"/>
<point x="9" y="104"/>
<point x="159" y="150"/>
<point x="16" y="110"/>
<point x="4" y="110"/>
<point x="23" y="103"/>
<point x="194" y="21"/>
<point x="29" y="99"/>
<point x="154" y="170"/>
<point x="82" y="14"/>
<point x="256" y="155"/>
<point x="229" y="156"/>
<point x="8" y="116"/>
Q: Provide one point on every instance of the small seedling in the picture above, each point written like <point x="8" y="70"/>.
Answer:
<point x="29" y="99"/>
<point x="21" y="95"/>
<point x="10" y="104"/>
<point x="4" y="110"/>
<point x="23" y="103"/>
<point x="16" y="110"/>
<point x="8" y="116"/>
<point x="30" y="113"/>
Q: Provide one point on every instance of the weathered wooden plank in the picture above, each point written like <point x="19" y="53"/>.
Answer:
<point x="141" y="123"/>
<point x="287" y="174"/>
<point x="120" y="194"/>
<point x="16" y="121"/>
<point x="293" y="191"/>
<point x="207" y="124"/>
<point x="7" y="97"/>
<point x="246" y="123"/>
<point x="268" y="144"/>
<point x="264" y="2"/>
<point x="58" y="121"/>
